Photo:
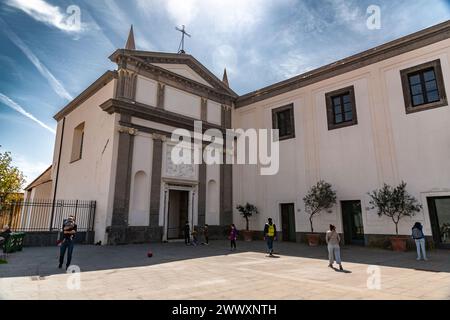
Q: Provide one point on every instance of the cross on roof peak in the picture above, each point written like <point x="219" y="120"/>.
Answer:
<point x="183" y="33"/>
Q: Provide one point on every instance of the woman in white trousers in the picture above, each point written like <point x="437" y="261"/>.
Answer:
<point x="334" y="250"/>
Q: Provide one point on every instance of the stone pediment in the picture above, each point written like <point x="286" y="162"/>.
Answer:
<point x="183" y="65"/>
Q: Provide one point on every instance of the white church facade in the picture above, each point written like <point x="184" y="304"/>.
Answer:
<point x="381" y="116"/>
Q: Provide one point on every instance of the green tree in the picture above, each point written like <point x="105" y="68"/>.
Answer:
<point x="11" y="178"/>
<point x="394" y="202"/>
<point x="247" y="211"/>
<point x="319" y="197"/>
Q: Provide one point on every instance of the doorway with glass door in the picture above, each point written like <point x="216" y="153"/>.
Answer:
<point x="439" y="209"/>
<point x="352" y="222"/>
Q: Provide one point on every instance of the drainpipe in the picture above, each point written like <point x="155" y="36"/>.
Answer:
<point x="57" y="174"/>
<point x="192" y="220"/>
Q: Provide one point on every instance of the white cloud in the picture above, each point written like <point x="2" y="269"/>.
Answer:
<point x="44" y="12"/>
<point x="351" y="14"/>
<point x="15" y="106"/>
<point x="293" y="64"/>
<point x="225" y="16"/>
<point x="54" y="83"/>
<point x="225" y="55"/>
<point x="31" y="169"/>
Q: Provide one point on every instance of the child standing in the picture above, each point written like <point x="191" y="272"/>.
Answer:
<point x="187" y="238"/>
<point x="206" y="234"/>
<point x="194" y="237"/>
<point x="233" y="237"/>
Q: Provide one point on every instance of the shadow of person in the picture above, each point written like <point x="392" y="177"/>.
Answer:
<point x="273" y="256"/>
<point x="342" y="271"/>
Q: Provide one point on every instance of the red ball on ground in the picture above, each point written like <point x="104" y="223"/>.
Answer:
<point x="149" y="254"/>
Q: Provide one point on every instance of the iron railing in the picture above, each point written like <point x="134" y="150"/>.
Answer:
<point x="46" y="215"/>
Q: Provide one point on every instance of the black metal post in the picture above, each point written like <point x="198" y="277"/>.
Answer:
<point x="57" y="174"/>
<point x="11" y="213"/>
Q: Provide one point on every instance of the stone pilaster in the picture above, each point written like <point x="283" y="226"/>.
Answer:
<point x="204" y="109"/>
<point x="119" y="223"/>
<point x="202" y="194"/>
<point x="226" y="177"/>
<point x="155" y="193"/>
<point x="126" y="84"/>
<point x="160" y="96"/>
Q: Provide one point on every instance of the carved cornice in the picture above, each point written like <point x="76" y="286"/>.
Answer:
<point x="157" y="136"/>
<point x="129" y="130"/>
<point x="155" y="114"/>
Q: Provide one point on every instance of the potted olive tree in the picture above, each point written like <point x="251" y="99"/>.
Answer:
<point x="247" y="211"/>
<point x="395" y="203"/>
<point x="320" y="197"/>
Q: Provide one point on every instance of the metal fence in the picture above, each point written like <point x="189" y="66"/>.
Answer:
<point x="46" y="215"/>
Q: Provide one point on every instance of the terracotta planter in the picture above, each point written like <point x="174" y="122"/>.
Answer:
<point x="398" y="243"/>
<point x="248" y="235"/>
<point x="313" y="239"/>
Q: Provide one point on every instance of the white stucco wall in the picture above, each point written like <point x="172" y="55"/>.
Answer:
<point x="182" y="102"/>
<point x="387" y="145"/>
<point x="91" y="177"/>
<point x="176" y="100"/>
<point x="214" y="113"/>
<point x="146" y="91"/>
<point x="42" y="191"/>
<point x="212" y="195"/>
<point x="139" y="214"/>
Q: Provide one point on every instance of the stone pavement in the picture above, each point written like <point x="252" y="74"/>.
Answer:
<point x="213" y="272"/>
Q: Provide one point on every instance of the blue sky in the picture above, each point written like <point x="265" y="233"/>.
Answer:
<point x="45" y="60"/>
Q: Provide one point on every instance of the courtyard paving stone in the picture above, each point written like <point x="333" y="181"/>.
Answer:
<point x="213" y="272"/>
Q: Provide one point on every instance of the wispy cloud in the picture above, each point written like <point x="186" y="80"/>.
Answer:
<point x="118" y="20"/>
<point x="15" y="106"/>
<point x="54" y="83"/>
<point x="51" y="15"/>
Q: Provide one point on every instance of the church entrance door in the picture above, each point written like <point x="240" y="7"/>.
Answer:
<point x="178" y="213"/>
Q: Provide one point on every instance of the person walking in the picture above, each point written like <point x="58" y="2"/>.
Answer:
<point x="334" y="251"/>
<point x="233" y="237"/>
<point x="4" y="237"/>
<point x="270" y="234"/>
<point x="419" y="238"/>
<point x="6" y="233"/>
<point x="187" y="234"/>
<point x="67" y="244"/>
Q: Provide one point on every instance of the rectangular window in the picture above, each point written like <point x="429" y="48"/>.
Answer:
<point x="341" y="108"/>
<point x="423" y="87"/>
<point x="77" y="143"/>
<point x="283" y="120"/>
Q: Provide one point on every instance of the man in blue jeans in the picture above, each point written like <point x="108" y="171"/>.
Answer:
<point x="69" y="231"/>
<point x="270" y="234"/>
<point x="419" y="238"/>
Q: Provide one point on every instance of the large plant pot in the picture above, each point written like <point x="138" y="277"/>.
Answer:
<point x="398" y="244"/>
<point x="248" y="235"/>
<point x="313" y="239"/>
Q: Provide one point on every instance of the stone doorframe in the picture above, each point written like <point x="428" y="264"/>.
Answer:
<point x="192" y="188"/>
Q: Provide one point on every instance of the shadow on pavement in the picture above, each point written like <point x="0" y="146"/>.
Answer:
<point x="43" y="261"/>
